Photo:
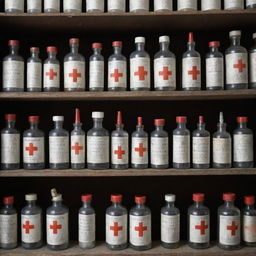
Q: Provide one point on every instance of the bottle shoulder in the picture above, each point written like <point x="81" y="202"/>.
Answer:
<point x="13" y="57"/>
<point x="114" y="57"/>
<point x="96" y="57"/>
<point x="201" y="133"/>
<point x="222" y="135"/>
<point x="235" y="49"/>
<point x="228" y="211"/>
<point x="162" y="134"/>
<point x="8" y="211"/>
<point x="33" y="133"/>
<point x="78" y="132"/>
<point x="179" y="131"/>
<point x="189" y="54"/>
<point x="170" y="210"/>
<point x="56" y="210"/>
<point x="116" y="211"/>
<point x="34" y="60"/>
<point x="74" y="57"/>
<point x="9" y="131"/>
<point x="52" y="61"/>
<point x="140" y="211"/>
<point x="31" y="210"/>
<point x="164" y="54"/>
<point x="138" y="134"/>
<point x="119" y="133"/>
<point x="243" y="131"/>
<point x="139" y="54"/>
<point x="202" y="210"/>
<point x="87" y="210"/>
<point x="59" y="132"/>
<point x="98" y="132"/>
<point x="247" y="212"/>
<point x="214" y="55"/>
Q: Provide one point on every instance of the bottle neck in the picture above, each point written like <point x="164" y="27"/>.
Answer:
<point x="35" y="55"/>
<point x="140" y="127"/>
<point x="96" y="51"/>
<point x="58" y="124"/>
<point x="249" y="207"/>
<point x="170" y="204"/>
<point x="117" y="50"/>
<point x="159" y="128"/>
<point x="33" y="125"/>
<point x="235" y="40"/>
<point x="87" y="204"/>
<point x="222" y="127"/>
<point x="57" y="203"/>
<point x="77" y="126"/>
<point x="181" y="125"/>
<point x="31" y="203"/>
<point x="242" y="125"/>
<point x="8" y="206"/>
<point x="140" y="46"/>
<point x="140" y="205"/>
<point x="14" y="50"/>
<point x="164" y="46"/>
<point x="201" y="126"/>
<point x="74" y="48"/>
<point x="52" y="55"/>
<point x="198" y="204"/>
<point x="97" y="122"/>
<point x="214" y="49"/>
<point x="229" y="203"/>
<point x="116" y="204"/>
<point x="119" y="127"/>
<point x="10" y="124"/>
<point x="191" y="46"/>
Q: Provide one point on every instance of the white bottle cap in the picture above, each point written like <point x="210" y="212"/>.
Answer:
<point x="253" y="35"/>
<point x="58" y="118"/>
<point x="170" y="198"/>
<point x="163" y="39"/>
<point x="55" y="195"/>
<point x="235" y="33"/>
<point x="140" y="39"/>
<point x="31" y="197"/>
<point x="97" y="114"/>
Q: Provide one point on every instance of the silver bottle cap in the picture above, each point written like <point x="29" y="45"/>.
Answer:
<point x="235" y="33"/>
<point x="97" y="114"/>
<point x="31" y="197"/>
<point x="170" y="198"/>
<point x="58" y="118"/>
<point x="164" y="39"/>
<point x="140" y="39"/>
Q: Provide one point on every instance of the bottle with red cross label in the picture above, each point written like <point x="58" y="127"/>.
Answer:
<point x="77" y="147"/>
<point x="139" y="147"/>
<point x="159" y="146"/>
<point x="140" y="225"/>
<point x="34" y="6"/>
<point x="163" y="5"/>
<point x="116" y="6"/>
<point x="139" y="67"/>
<point x="249" y="221"/>
<point x="243" y="144"/>
<point x="187" y="5"/>
<point x="191" y="67"/>
<point x="52" y="6"/>
<point x="116" y="224"/>
<point x="119" y="145"/>
<point x="164" y="67"/>
<point x="253" y="62"/>
<point x="229" y="224"/>
<point x="221" y="148"/>
<point x="170" y="223"/>
<point x="210" y="5"/>
<point x="233" y="4"/>
<point x="14" y="6"/>
<point x="181" y="144"/>
<point x="8" y="224"/>
<point x="201" y="146"/>
<point x="72" y="6"/>
<point x="51" y="71"/>
<point x="33" y="146"/>
<point x="199" y="223"/>
<point x="139" y="6"/>
<point x="117" y="69"/>
<point x="97" y="144"/>
<point x="250" y="4"/>
<point x="214" y="67"/>
<point x="31" y="224"/>
<point x="74" y="68"/>
<point x="96" y="77"/>
<point x="13" y="69"/>
<point x="95" y="5"/>
<point x="58" y="145"/>
<point x="10" y="144"/>
<point x="57" y="216"/>
<point x="236" y="63"/>
<point x="86" y="223"/>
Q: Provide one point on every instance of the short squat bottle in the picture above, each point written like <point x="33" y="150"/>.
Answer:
<point x="31" y="224"/>
<point x="34" y="6"/>
<point x="170" y="223"/>
<point x="116" y="224"/>
<point x="86" y="223"/>
<point x="250" y="4"/>
<point x="233" y="4"/>
<point x="116" y="5"/>
<point x="199" y="223"/>
<point x="33" y="146"/>
<point x="95" y="5"/>
<point x="16" y="6"/>
<point x="52" y="6"/>
<point x="187" y="5"/>
<point x="253" y="62"/>
<point x="221" y="148"/>
<point x="72" y="6"/>
<point x="140" y="225"/>
<point x="229" y="224"/>
<point x="163" y="5"/>
<point x="210" y="5"/>
<point x="139" y="6"/>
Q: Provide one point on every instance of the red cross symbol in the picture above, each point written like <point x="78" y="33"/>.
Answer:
<point x="240" y="66"/>
<point x="141" y="229"/>
<point x="119" y="152"/>
<point x="140" y="149"/>
<point x="233" y="227"/>
<point x="55" y="227"/>
<point x="27" y="227"/>
<point x="165" y="73"/>
<point x="51" y="74"/>
<point x="141" y="73"/>
<point x="202" y="227"/>
<point x="31" y="149"/>
<point x="116" y="75"/>
<point x="77" y="148"/>
<point x="75" y="75"/>
<point x="194" y="72"/>
<point x="116" y="228"/>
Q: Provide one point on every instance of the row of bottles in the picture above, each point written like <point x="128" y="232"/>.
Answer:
<point x="236" y="67"/>
<point x="100" y="153"/>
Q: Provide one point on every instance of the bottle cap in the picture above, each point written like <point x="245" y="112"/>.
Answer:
<point x="190" y="37"/>
<point x="117" y="43"/>
<point x="139" y="121"/>
<point x="229" y="197"/>
<point x="214" y="43"/>
<point x="181" y="119"/>
<point x="164" y="39"/>
<point x="10" y="117"/>
<point x="13" y="43"/>
<point x="97" y="114"/>
<point x="77" y="119"/>
<point x="242" y="119"/>
<point x="86" y="197"/>
<point x="31" y="197"/>
<point x="58" y="118"/>
<point x="235" y="33"/>
<point x="254" y="36"/>
<point x="34" y="49"/>
<point x="96" y="45"/>
<point x="198" y="197"/>
<point x="250" y="200"/>
<point x="8" y="200"/>
<point x="159" y="122"/>
<point x="201" y="119"/>
<point x="55" y="195"/>
<point x="116" y="198"/>
<point x="140" y="39"/>
<point x="140" y="199"/>
<point x="51" y="49"/>
<point x="74" y="41"/>
<point x="33" y="118"/>
<point x="170" y="198"/>
<point x="119" y="118"/>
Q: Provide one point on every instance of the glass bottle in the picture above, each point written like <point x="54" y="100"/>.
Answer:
<point x="250" y="4"/>
<point x="95" y="5"/>
<point x="14" y="6"/>
<point x="233" y="4"/>
<point x="139" y="6"/>
<point x="253" y="62"/>
<point x="34" y="6"/>
<point x="116" y="5"/>
<point x="187" y="5"/>
<point x="72" y="6"/>
<point x="163" y="5"/>
<point x="210" y="5"/>
<point x="52" y="6"/>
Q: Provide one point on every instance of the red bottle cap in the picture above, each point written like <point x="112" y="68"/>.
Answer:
<point x="13" y="43"/>
<point x="73" y="41"/>
<point x="77" y="119"/>
<point x="51" y="49"/>
<point x="198" y="197"/>
<point x="8" y="200"/>
<point x="230" y="197"/>
<point x="34" y="49"/>
<point x="201" y="119"/>
<point x="242" y="119"/>
<point x="117" y="43"/>
<point x="214" y="43"/>
<point x="190" y="37"/>
<point x="119" y="118"/>
<point x="33" y="118"/>
<point x="116" y="198"/>
<point x="96" y="45"/>
<point x="86" y="197"/>
<point x="10" y="117"/>
<point x="159" y="122"/>
<point x="250" y="200"/>
<point x="181" y="119"/>
<point x="139" y="121"/>
<point x="140" y="199"/>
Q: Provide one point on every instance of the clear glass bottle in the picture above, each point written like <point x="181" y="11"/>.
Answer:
<point x="187" y="5"/>
<point x="95" y="5"/>
<point x="170" y="223"/>
<point x="210" y="5"/>
<point x="139" y="154"/>
<point x="229" y="224"/>
<point x="236" y="63"/>
<point x="72" y="6"/>
<point x="164" y="67"/>
<point x="119" y="145"/>
<point x="116" y="5"/>
<point x="86" y="222"/>
<point x="116" y="224"/>
<point x="139" y="67"/>
<point x="139" y="6"/>
<point x="201" y="146"/>
<point x="140" y="225"/>
<point x="163" y="5"/>
<point x="34" y="6"/>
<point x="14" y="6"/>
<point x="10" y="144"/>
<point x="52" y="6"/>
<point x="31" y="224"/>
<point x="233" y="4"/>
<point x="58" y="145"/>
<point x="198" y="223"/>
<point x="250" y="4"/>
<point x="98" y="144"/>
<point x="33" y="146"/>
<point x="253" y="62"/>
<point x="13" y="69"/>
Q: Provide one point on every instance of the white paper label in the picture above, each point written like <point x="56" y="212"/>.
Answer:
<point x="140" y="230"/>
<point x="139" y="150"/>
<point x="97" y="149"/>
<point x="163" y="5"/>
<point x="222" y="150"/>
<point x="201" y="150"/>
<point x="170" y="228"/>
<point x="139" y="5"/>
<point x="86" y="228"/>
<point x="33" y="150"/>
<point x="243" y="147"/>
<point x="95" y="5"/>
<point x="187" y="4"/>
<point x="210" y="5"/>
<point x="159" y="151"/>
<point x="72" y="5"/>
<point x="57" y="229"/>
<point x="34" y="5"/>
<point x="10" y="148"/>
<point x="229" y="233"/>
<point x="59" y="149"/>
<point x="236" y="68"/>
<point x="13" y="74"/>
<point x="31" y="230"/>
<point x="119" y="150"/>
<point x="51" y="75"/>
<point x="52" y="4"/>
<point x="214" y="72"/>
<point x="34" y="75"/>
<point x="77" y="149"/>
<point x="116" y="229"/>
<point x="165" y="72"/>
<point x="139" y="72"/>
<point x="96" y="78"/>
<point x="199" y="229"/>
<point x="117" y="76"/>
<point x="250" y="2"/>
<point x="14" y="4"/>
<point x="8" y="229"/>
<point x="253" y="65"/>
<point x="249" y="229"/>
<point x="181" y="149"/>
<point x="74" y="75"/>
<point x="116" y="5"/>
<point x="233" y="4"/>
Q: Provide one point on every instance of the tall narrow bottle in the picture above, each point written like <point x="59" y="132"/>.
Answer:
<point x="95" y="6"/>
<point x="139" y="6"/>
<point x="250" y="4"/>
<point x="209" y="5"/>
<point x="187" y="5"/>
<point x="14" y="6"/>
<point x="253" y="62"/>
<point x="52" y="6"/>
<point x="72" y="6"/>
<point x="116" y="5"/>
<point x="34" y="6"/>
<point x="233" y="4"/>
